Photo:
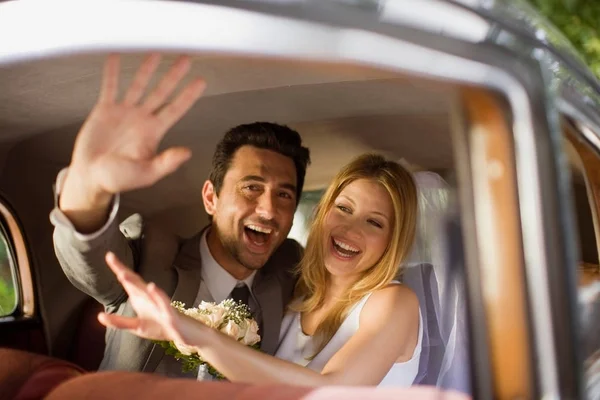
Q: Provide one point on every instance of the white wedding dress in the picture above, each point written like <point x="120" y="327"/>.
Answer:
<point x="297" y="347"/>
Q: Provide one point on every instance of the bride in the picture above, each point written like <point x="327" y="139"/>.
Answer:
<point x="350" y="322"/>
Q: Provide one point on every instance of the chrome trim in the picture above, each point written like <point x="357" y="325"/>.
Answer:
<point x="590" y="135"/>
<point x="438" y="17"/>
<point x="582" y="123"/>
<point x="506" y="18"/>
<point x="534" y="253"/>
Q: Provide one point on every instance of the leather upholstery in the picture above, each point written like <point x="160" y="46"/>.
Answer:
<point x="29" y="376"/>
<point x="125" y="385"/>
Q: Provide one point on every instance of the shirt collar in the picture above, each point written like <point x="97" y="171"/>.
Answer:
<point x="219" y="282"/>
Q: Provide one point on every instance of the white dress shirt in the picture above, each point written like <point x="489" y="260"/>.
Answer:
<point x="218" y="283"/>
<point x="216" y="280"/>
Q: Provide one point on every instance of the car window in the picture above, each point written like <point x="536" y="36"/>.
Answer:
<point x="588" y="291"/>
<point x="586" y="201"/>
<point x="303" y="216"/>
<point x="8" y="285"/>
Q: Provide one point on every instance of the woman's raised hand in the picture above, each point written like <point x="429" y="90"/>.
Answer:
<point x="156" y="319"/>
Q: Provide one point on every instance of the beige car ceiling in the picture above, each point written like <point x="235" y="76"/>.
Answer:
<point x="341" y="111"/>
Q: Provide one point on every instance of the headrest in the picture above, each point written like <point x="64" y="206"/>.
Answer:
<point x="433" y="208"/>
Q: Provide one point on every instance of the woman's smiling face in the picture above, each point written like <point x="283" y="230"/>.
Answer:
<point x="357" y="228"/>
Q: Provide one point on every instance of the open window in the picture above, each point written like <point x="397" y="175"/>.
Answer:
<point x="16" y="286"/>
<point x="20" y="322"/>
<point x="8" y="280"/>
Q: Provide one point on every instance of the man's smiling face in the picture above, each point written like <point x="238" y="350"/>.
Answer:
<point x="253" y="213"/>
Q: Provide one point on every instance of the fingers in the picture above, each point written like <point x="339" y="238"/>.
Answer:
<point x="117" y="267"/>
<point x="133" y="284"/>
<point x="182" y="103"/>
<point x="118" y="321"/>
<point x="156" y="99"/>
<point x="160" y="298"/>
<point x="141" y="79"/>
<point x="163" y="304"/>
<point x="110" y="80"/>
<point x="169" y="161"/>
<point x="147" y="173"/>
<point x="168" y="84"/>
<point x="141" y="294"/>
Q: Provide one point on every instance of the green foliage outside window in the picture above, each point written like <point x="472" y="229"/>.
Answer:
<point x="8" y="297"/>
<point x="579" y="21"/>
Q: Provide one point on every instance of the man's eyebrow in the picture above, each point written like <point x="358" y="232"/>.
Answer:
<point x="256" y="178"/>
<point x="288" y="186"/>
<point x="248" y="178"/>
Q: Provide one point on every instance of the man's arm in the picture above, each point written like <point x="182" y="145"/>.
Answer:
<point x="81" y="256"/>
<point x="115" y="152"/>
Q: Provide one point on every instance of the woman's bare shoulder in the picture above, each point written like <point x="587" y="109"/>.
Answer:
<point x="393" y="303"/>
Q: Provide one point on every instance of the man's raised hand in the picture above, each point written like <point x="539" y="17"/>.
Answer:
<point x="116" y="148"/>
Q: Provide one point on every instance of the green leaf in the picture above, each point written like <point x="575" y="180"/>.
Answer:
<point x="579" y="21"/>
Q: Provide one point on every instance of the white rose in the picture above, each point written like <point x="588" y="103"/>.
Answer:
<point x="205" y="319"/>
<point x="243" y="328"/>
<point x="199" y="316"/>
<point x="231" y="329"/>
<point x="251" y="337"/>
<point x="206" y="305"/>
<point x="185" y="349"/>
<point x="216" y="316"/>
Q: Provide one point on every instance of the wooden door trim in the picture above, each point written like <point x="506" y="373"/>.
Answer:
<point x="499" y="244"/>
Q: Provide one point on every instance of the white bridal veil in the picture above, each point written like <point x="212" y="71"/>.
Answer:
<point x="439" y="286"/>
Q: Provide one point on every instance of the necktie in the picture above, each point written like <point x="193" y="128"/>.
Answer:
<point x="241" y="293"/>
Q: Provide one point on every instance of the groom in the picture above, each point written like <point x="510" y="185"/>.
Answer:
<point x="251" y="195"/>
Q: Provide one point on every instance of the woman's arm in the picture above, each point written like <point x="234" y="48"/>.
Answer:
<point x="388" y="332"/>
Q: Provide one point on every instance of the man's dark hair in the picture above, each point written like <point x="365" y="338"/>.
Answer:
<point x="263" y="135"/>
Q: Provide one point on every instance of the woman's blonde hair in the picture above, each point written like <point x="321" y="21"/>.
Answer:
<point x="313" y="280"/>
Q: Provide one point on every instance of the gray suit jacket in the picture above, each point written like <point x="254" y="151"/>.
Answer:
<point x="174" y="265"/>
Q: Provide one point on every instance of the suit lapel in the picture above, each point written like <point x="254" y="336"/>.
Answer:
<point x="267" y="291"/>
<point x="187" y="264"/>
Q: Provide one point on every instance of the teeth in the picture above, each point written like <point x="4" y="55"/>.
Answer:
<point x="346" y="246"/>
<point x="259" y="229"/>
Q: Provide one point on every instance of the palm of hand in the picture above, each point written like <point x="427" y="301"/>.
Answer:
<point x="116" y="147"/>
<point x="120" y="143"/>
<point x="121" y="131"/>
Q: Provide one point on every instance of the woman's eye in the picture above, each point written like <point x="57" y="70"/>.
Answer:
<point x="375" y="223"/>
<point x="344" y="209"/>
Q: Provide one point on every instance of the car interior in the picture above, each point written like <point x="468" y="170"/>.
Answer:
<point x="341" y="111"/>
